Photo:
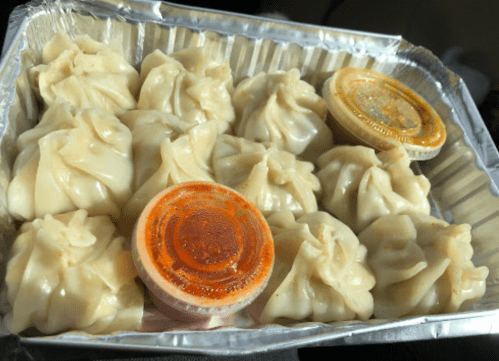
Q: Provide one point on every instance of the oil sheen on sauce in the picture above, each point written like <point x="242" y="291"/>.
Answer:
<point x="390" y="108"/>
<point x="206" y="241"/>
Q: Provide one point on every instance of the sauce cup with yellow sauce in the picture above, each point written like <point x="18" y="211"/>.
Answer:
<point x="370" y="108"/>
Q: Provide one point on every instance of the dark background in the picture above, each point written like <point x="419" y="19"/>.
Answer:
<point x="463" y="33"/>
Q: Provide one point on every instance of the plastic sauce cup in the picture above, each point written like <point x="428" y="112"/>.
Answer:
<point x="370" y="108"/>
<point x="202" y="249"/>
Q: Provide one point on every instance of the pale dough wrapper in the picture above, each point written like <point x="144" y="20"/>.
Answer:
<point x="422" y="266"/>
<point x="360" y="186"/>
<point x="320" y="272"/>
<point x="280" y="108"/>
<point x="190" y="84"/>
<point x="73" y="159"/>
<point x="273" y="179"/>
<point x="149" y="129"/>
<point x="85" y="73"/>
<point x="185" y="158"/>
<point x="71" y="272"/>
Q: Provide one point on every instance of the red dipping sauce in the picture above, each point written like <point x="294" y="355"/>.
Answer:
<point x="202" y="249"/>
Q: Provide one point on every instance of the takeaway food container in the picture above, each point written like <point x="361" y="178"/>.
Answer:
<point x="464" y="175"/>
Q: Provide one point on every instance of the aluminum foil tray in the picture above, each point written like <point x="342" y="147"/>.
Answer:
<point x="464" y="177"/>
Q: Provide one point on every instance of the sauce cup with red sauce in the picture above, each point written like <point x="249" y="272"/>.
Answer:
<point x="202" y="250"/>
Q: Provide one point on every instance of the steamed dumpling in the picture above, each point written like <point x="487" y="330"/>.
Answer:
<point x="196" y="93"/>
<point x="320" y="271"/>
<point x="422" y="266"/>
<point x="280" y="108"/>
<point x="85" y="73"/>
<point x="72" y="159"/>
<point x="205" y="61"/>
<point x="149" y="129"/>
<point x="70" y="271"/>
<point x="186" y="158"/>
<point x="273" y="179"/>
<point x="360" y="186"/>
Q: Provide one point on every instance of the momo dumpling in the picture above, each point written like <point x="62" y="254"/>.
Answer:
<point x="73" y="159"/>
<point x="149" y="129"/>
<point x="273" y="179"/>
<point x="280" y="108"/>
<point x="186" y="158"/>
<point x="71" y="272"/>
<point x="85" y="73"/>
<point x="320" y="271"/>
<point x="202" y="61"/>
<point x="359" y="186"/>
<point x="196" y="93"/>
<point x="422" y="266"/>
<point x="205" y="61"/>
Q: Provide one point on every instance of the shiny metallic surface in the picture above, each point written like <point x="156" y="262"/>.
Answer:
<point x="464" y="176"/>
